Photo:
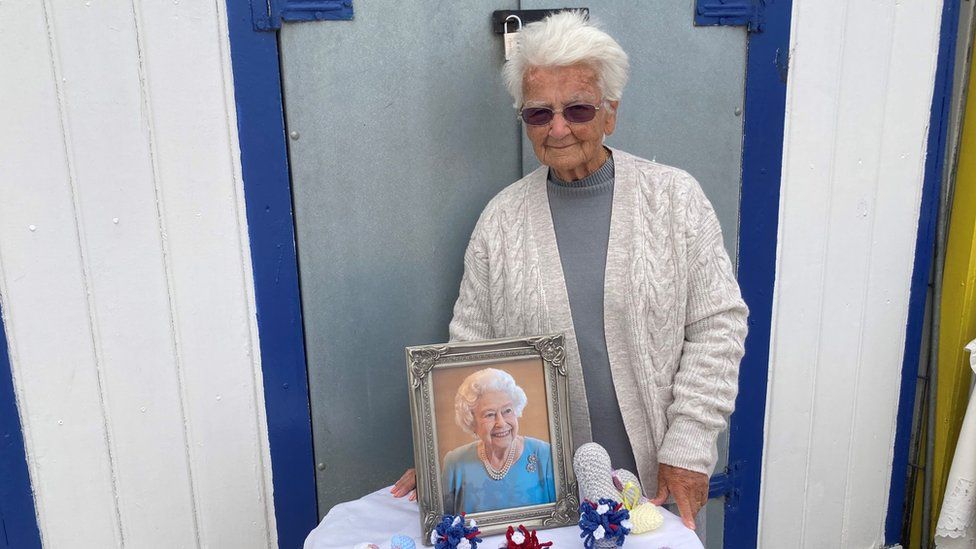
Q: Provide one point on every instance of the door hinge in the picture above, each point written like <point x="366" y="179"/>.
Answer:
<point x="726" y="485"/>
<point x="267" y="15"/>
<point x="733" y="13"/>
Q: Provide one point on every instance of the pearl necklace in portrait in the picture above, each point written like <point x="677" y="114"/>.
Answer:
<point x="497" y="474"/>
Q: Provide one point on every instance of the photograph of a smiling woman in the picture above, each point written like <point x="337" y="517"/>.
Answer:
<point x="494" y="447"/>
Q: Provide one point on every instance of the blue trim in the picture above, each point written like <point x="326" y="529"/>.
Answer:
<point x="762" y="163"/>
<point x="18" y="522"/>
<point x="267" y="15"/>
<point x="267" y="193"/>
<point x="924" y="248"/>
<point x="732" y="13"/>
<point x="720" y="485"/>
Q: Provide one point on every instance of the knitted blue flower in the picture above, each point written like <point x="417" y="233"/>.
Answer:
<point x="451" y="533"/>
<point x="604" y="520"/>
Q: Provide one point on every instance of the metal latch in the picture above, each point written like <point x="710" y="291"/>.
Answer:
<point x="732" y="13"/>
<point x="499" y="17"/>
<point x="267" y="15"/>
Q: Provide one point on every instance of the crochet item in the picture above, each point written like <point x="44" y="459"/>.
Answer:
<point x="451" y="533"/>
<point x="522" y="539"/>
<point x="644" y="515"/>
<point x="631" y="491"/>
<point x="594" y="473"/>
<point x="644" y="518"/>
<point x="603" y="524"/>
<point x="402" y="542"/>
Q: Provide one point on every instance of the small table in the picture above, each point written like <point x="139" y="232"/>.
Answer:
<point x="390" y="516"/>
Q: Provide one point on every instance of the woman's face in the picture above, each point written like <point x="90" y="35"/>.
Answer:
<point x="573" y="151"/>
<point x="495" y="422"/>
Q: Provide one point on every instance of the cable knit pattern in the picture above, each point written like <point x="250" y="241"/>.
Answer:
<point x="675" y="321"/>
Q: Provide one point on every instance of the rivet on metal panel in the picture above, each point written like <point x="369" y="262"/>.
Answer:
<point x="115" y="220"/>
<point x="320" y="466"/>
<point x="284" y="385"/>
<point x="294" y="135"/>
<point x="32" y="228"/>
<point x="738" y="111"/>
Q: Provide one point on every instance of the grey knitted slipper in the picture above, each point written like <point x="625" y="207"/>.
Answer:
<point x="629" y="487"/>
<point x="595" y="477"/>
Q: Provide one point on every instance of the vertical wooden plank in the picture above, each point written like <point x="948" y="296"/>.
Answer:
<point x="861" y="78"/>
<point x="43" y="288"/>
<point x="794" y="362"/>
<point x="121" y="245"/>
<point x="907" y="95"/>
<point x="187" y="72"/>
<point x="860" y="84"/>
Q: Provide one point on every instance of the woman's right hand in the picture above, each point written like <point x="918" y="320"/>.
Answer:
<point x="406" y="486"/>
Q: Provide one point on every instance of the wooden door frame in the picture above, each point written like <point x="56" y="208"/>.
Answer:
<point x="767" y="67"/>
<point x="271" y="231"/>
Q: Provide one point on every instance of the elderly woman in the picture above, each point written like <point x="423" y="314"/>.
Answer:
<point x="501" y="468"/>
<point x="622" y="255"/>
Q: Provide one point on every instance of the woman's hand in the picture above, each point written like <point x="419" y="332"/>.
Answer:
<point x="689" y="489"/>
<point x="406" y="486"/>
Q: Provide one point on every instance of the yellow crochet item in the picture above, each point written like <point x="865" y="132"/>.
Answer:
<point x="631" y="496"/>
<point x="645" y="518"/>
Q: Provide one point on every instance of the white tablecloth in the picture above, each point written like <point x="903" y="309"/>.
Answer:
<point x="399" y="516"/>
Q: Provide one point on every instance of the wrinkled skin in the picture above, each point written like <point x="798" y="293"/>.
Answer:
<point x="406" y="486"/>
<point x="688" y="488"/>
<point x="572" y="150"/>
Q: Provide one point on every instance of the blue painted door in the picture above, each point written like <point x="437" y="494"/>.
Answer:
<point x="400" y="131"/>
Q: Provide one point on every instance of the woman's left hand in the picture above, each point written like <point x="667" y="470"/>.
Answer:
<point x="689" y="489"/>
<point x="406" y="486"/>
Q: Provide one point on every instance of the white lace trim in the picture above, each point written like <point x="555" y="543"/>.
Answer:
<point x="958" y="510"/>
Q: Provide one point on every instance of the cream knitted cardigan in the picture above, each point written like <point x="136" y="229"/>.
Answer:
<point x="675" y="321"/>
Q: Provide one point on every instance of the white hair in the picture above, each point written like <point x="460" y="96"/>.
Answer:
<point x="563" y="39"/>
<point x="476" y="385"/>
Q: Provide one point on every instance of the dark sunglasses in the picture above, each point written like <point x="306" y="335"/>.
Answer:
<point x="578" y="113"/>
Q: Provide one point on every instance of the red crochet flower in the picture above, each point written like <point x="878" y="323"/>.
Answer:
<point x="523" y="539"/>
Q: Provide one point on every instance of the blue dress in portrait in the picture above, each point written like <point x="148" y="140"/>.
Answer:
<point x="469" y="489"/>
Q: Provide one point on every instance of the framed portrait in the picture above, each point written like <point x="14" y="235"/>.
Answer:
<point x="491" y="433"/>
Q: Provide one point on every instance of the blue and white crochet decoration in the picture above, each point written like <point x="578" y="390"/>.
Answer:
<point x="451" y="533"/>
<point x="603" y="524"/>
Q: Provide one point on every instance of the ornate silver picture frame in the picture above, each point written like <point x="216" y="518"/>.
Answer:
<point x="448" y="398"/>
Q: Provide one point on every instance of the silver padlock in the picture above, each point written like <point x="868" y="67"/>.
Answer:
<point x="511" y="38"/>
